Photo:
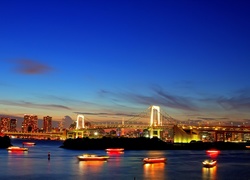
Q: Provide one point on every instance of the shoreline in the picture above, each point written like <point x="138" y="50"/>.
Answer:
<point x="142" y="143"/>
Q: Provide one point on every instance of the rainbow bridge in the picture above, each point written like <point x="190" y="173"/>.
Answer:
<point x="152" y="122"/>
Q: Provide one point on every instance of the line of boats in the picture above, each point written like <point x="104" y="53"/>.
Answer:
<point x="94" y="157"/>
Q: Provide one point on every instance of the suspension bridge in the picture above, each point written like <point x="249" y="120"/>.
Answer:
<point x="150" y="117"/>
<point x="160" y="124"/>
<point x="158" y="121"/>
<point x="152" y="122"/>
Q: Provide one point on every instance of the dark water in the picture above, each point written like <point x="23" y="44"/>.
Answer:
<point x="63" y="164"/>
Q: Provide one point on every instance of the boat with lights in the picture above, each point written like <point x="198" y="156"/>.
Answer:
<point x="213" y="151"/>
<point x="209" y="163"/>
<point x="155" y="160"/>
<point x="115" y="150"/>
<point x="16" y="148"/>
<point x="92" y="157"/>
<point x="29" y="143"/>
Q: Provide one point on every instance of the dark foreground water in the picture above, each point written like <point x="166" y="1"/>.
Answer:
<point x="63" y="164"/>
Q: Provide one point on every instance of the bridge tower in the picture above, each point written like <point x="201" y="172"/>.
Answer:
<point x="155" y="122"/>
<point x="80" y="121"/>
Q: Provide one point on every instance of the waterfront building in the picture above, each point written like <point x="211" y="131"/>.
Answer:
<point x="30" y="123"/>
<point x="47" y="124"/>
<point x="13" y="125"/>
<point x="4" y="124"/>
<point x="7" y="124"/>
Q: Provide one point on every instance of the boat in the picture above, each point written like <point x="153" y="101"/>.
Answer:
<point x="16" y="148"/>
<point x="114" y="150"/>
<point x="92" y="157"/>
<point x="209" y="163"/>
<point x="29" y="143"/>
<point x="155" y="160"/>
<point x="213" y="153"/>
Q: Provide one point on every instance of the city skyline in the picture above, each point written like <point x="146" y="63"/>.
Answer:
<point x="29" y="123"/>
<point x="111" y="60"/>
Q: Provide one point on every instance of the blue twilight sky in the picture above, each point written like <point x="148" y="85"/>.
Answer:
<point x="111" y="59"/>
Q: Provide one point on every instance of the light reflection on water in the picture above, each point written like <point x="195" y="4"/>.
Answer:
<point x="63" y="164"/>
<point x="154" y="171"/>
<point x="92" y="167"/>
<point x="209" y="173"/>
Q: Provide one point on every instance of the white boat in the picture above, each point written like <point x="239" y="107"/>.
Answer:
<point x="155" y="160"/>
<point x="92" y="157"/>
<point x="209" y="163"/>
<point x="16" y="148"/>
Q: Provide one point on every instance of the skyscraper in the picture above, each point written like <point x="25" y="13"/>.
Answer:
<point x="47" y="124"/>
<point x="30" y="123"/>
<point x="4" y="124"/>
<point x="13" y="125"/>
<point x="7" y="124"/>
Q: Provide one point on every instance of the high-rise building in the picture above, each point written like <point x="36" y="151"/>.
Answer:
<point x="30" y="123"/>
<point x="47" y="124"/>
<point x="13" y="125"/>
<point x="5" y="124"/>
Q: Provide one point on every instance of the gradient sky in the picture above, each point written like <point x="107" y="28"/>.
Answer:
<point x="110" y="59"/>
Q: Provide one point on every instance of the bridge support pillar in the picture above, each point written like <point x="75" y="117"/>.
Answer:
<point x="155" y="132"/>
<point x="80" y="122"/>
<point x="155" y="121"/>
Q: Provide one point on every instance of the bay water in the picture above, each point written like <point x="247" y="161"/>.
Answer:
<point x="63" y="164"/>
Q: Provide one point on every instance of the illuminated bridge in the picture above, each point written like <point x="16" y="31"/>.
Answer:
<point x="158" y="121"/>
<point x="153" y="114"/>
<point x="36" y="135"/>
<point x="165" y="127"/>
<point x="222" y="133"/>
<point x="154" y="123"/>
